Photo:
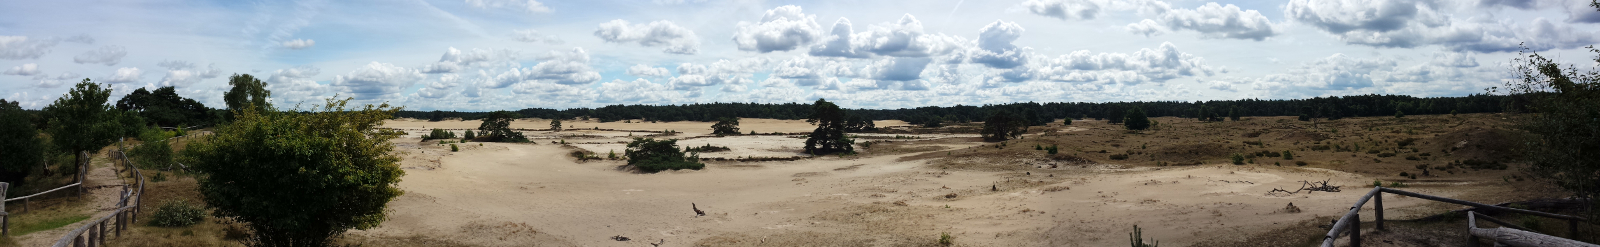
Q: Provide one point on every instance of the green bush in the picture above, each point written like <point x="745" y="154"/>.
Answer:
<point x="651" y="155"/>
<point x="159" y="177"/>
<point x="453" y="148"/>
<point x="1119" y="156"/>
<point x="439" y="134"/>
<point x="945" y="239"/>
<point x="155" y="152"/>
<point x="468" y="136"/>
<point x="176" y="213"/>
<point x="1237" y="159"/>
<point x="1288" y="155"/>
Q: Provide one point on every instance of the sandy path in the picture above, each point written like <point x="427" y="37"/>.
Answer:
<point x="524" y="194"/>
<point x="105" y="189"/>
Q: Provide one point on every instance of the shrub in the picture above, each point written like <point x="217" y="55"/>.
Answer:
<point x="159" y="177"/>
<point x="1300" y="163"/>
<point x="469" y="135"/>
<point x="1237" y="159"/>
<point x="945" y="239"/>
<point x="726" y="126"/>
<point x="1119" y="156"/>
<point x="1137" y="237"/>
<point x="651" y="155"/>
<point x="1385" y="155"/>
<point x="1053" y="149"/>
<point x="453" y="148"/>
<point x="1412" y="157"/>
<point x="439" y="134"/>
<point x="176" y="213"/>
<point x="1288" y="155"/>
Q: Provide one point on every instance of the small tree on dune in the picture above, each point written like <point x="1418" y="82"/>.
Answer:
<point x="497" y="125"/>
<point x="829" y="136"/>
<point x="726" y="126"/>
<point x="1137" y="120"/>
<point x="555" y="124"/>
<point x="1003" y="125"/>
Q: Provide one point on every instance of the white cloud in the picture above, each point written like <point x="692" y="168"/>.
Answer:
<point x="109" y="55"/>
<point x="1454" y="59"/>
<point x="1146" y="65"/>
<point x="181" y="75"/>
<point x="530" y="6"/>
<point x="440" y="88"/>
<point x="1146" y="27"/>
<point x="551" y="92"/>
<point x="28" y="69"/>
<point x="1578" y="11"/>
<point x="678" y="40"/>
<point x="1219" y="21"/>
<point x="298" y="44"/>
<point x="377" y="80"/>
<point x="994" y="45"/>
<point x="567" y="68"/>
<point x="1064" y="9"/>
<point x="455" y="60"/>
<point x="20" y="47"/>
<point x="175" y="64"/>
<point x="638" y="91"/>
<point x="533" y="36"/>
<point x="1336" y="72"/>
<point x="1408" y="24"/>
<point x="781" y="29"/>
<point x="293" y="85"/>
<point x="837" y="43"/>
<point x="896" y="69"/>
<point x="47" y="81"/>
<point x="124" y="75"/>
<point x="641" y="70"/>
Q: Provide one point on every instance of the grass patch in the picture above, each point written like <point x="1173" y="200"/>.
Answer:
<point x="25" y="225"/>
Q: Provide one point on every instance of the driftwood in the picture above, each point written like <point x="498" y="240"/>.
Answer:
<point x="1308" y="187"/>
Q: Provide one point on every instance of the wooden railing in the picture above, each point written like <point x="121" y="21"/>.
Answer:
<point x="1351" y="220"/>
<point x="127" y="212"/>
<point x="5" y="216"/>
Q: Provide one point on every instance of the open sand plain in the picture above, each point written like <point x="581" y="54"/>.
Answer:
<point x="900" y="192"/>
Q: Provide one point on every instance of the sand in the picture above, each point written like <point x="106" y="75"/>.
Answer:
<point x="499" y="194"/>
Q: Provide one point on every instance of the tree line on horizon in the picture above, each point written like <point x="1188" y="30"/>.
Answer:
<point x="1036" y="113"/>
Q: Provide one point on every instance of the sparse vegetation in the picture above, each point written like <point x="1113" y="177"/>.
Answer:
<point x="726" y="126"/>
<point x="176" y="213"/>
<point x="650" y="155"/>
<point x="439" y="134"/>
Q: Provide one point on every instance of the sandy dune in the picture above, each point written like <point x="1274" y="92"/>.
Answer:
<point x="501" y="194"/>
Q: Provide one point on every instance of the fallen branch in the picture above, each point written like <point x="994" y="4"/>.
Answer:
<point x="1308" y="187"/>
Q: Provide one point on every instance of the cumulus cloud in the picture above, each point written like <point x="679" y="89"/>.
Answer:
<point x="1220" y="21"/>
<point x="124" y="75"/>
<point x="780" y="29"/>
<point x="21" y="47"/>
<point x="530" y="6"/>
<point x="1454" y="59"/>
<point x="47" y="81"/>
<point x="837" y="43"/>
<point x="641" y="70"/>
<point x="551" y="92"/>
<point x="896" y="69"/>
<point x="1064" y="9"/>
<point x="994" y="45"/>
<point x="1161" y="64"/>
<point x="638" y="91"/>
<point x="293" y="85"/>
<point x="1147" y="27"/>
<point x="182" y="74"/>
<point x="455" y="60"/>
<point x="1336" y="72"/>
<point x="1579" y="11"/>
<point x="1407" y="24"/>
<point x="28" y="69"/>
<point x="298" y="44"/>
<point x="377" y="80"/>
<point x="533" y="36"/>
<point x="676" y="39"/>
<point x="440" y="88"/>
<point x="109" y="55"/>
<point x="723" y="72"/>
<point x="566" y="68"/>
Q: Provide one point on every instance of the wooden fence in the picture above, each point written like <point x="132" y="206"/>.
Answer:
<point x="1351" y="221"/>
<point x="5" y="216"/>
<point x="127" y="212"/>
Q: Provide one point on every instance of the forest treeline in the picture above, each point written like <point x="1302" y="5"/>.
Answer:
<point x="1037" y="113"/>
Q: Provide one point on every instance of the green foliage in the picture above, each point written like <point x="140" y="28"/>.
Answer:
<point x="612" y="155"/>
<point x="1563" y="147"/>
<point x="1119" y="156"/>
<point x="497" y="127"/>
<point x="247" y="92"/>
<point x="829" y="136"/>
<point x="303" y="178"/>
<point x="1137" y="238"/>
<point x="1137" y="120"/>
<point x="555" y="124"/>
<point x="1238" y="159"/>
<point x="164" y="107"/>
<point x="1233" y="113"/>
<point x="439" y="134"/>
<point x="1066" y="121"/>
<point x="726" y="126"/>
<point x="1399" y="114"/>
<point x="1053" y="149"/>
<point x="82" y="121"/>
<point x="156" y="152"/>
<point x="1288" y="155"/>
<point x="159" y="177"/>
<point x="176" y="213"/>
<point x="1003" y="125"/>
<point x="21" y="144"/>
<point x="453" y="148"/>
<point x="469" y="135"/>
<point x="944" y="237"/>
<point x="651" y="155"/>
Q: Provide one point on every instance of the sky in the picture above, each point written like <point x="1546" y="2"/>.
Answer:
<point x="480" y="55"/>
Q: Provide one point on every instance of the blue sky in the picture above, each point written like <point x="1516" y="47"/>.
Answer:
<point x="478" y="55"/>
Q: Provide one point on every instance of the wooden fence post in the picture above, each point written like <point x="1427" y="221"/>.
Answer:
<point x="101" y="231"/>
<point x="77" y="241"/>
<point x="1572" y="229"/>
<point x="92" y="238"/>
<point x="1355" y="229"/>
<point x="1377" y="210"/>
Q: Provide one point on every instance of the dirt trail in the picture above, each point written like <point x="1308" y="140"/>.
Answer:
<point x="105" y="189"/>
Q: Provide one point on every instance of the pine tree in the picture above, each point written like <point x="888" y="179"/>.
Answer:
<point x="1137" y="120"/>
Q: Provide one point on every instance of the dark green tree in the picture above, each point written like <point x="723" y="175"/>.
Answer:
<point x="247" y="91"/>
<point x="1137" y="120"/>
<point x="82" y="121"/>
<point x="1114" y="115"/>
<point x="1066" y="121"/>
<point x="1233" y="113"/>
<point x="469" y="135"/>
<point x="300" y="179"/>
<point x="726" y="126"/>
<point x="164" y="107"/>
<point x="1003" y="125"/>
<point x="829" y="136"/>
<point x="555" y="124"/>
<point x="497" y="126"/>
<point x="858" y="123"/>
<point x="437" y="116"/>
<point x="1565" y="109"/>
<point x="21" y="142"/>
<point x="651" y="155"/>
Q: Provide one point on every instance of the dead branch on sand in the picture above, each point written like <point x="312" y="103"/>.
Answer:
<point x="1308" y="187"/>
